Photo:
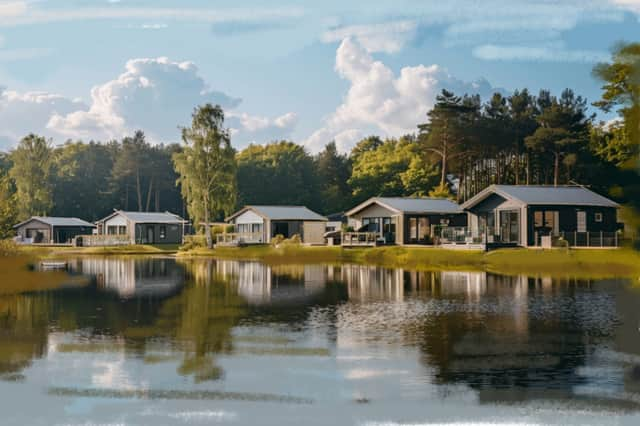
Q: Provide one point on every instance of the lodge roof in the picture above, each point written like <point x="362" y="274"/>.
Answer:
<point x="147" y="217"/>
<point x="58" y="222"/>
<point x="281" y="213"/>
<point x="411" y="205"/>
<point x="544" y="195"/>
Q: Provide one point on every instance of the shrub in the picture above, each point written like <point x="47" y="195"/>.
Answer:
<point x="8" y="248"/>
<point x="229" y="229"/>
<point x="277" y="240"/>
<point x="194" y="241"/>
<point x="294" y="240"/>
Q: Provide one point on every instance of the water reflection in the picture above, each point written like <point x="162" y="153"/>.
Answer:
<point x="137" y="277"/>
<point x="229" y="330"/>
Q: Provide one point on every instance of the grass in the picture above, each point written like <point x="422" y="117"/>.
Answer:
<point x="588" y="263"/>
<point x="52" y="251"/>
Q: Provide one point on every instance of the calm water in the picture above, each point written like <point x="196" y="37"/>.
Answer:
<point x="223" y="342"/>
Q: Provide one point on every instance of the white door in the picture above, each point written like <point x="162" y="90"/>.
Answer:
<point x="582" y="221"/>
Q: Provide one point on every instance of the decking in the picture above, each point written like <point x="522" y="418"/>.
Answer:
<point x="359" y="239"/>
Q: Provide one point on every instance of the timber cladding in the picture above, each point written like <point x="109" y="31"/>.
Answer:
<point x="313" y="232"/>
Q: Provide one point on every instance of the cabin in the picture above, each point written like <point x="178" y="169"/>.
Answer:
<point x="402" y="220"/>
<point x="51" y="230"/>
<point x="538" y="216"/>
<point x="259" y="224"/>
<point x="144" y="227"/>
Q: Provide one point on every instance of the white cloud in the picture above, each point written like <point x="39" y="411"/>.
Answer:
<point x="381" y="102"/>
<point x="537" y="53"/>
<point x="389" y="37"/>
<point x="247" y="128"/>
<point x="155" y="95"/>
<point x="23" y="113"/>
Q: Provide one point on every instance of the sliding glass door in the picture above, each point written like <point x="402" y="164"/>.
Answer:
<point x="510" y="226"/>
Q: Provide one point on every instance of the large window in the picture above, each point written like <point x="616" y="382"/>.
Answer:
<point x="419" y="228"/>
<point x="546" y="221"/>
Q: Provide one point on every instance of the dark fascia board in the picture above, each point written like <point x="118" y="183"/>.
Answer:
<point x="367" y="203"/>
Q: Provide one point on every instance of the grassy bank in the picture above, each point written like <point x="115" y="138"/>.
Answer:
<point x="133" y="250"/>
<point x="578" y="263"/>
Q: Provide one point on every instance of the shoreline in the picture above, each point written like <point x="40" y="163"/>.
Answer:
<point x="592" y="263"/>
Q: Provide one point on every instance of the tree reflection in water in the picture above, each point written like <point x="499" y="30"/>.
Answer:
<point x="509" y="338"/>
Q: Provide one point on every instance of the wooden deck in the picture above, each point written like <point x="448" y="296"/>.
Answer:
<point x="359" y="239"/>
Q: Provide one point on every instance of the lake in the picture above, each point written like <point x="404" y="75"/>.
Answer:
<point x="165" y="342"/>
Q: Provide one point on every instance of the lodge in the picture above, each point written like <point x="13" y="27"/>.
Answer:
<point x="127" y="227"/>
<point x="259" y="224"/>
<point x="395" y="220"/>
<point x="540" y="216"/>
<point x="51" y="230"/>
<point x="498" y="216"/>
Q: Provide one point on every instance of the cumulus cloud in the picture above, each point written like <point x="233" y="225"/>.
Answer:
<point x="247" y="128"/>
<point x="152" y="94"/>
<point x="389" y="37"/>
<point x="155" y="95"/>
<point x="23" y="113"/>
<point x="380" y="101"/>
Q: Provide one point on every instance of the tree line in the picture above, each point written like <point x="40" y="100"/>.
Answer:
<point x="463" y="145"/>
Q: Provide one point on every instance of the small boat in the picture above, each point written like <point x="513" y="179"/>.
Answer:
<point x="52" y="265"/>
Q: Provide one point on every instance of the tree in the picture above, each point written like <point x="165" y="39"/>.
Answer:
<point x="522" y="120"/>
<point x="444" y="134"/>
<point x="132" y="168"/>
<point x="280" y="172"/>
<point x="207" y="167"/>
<point x="334" y="170"/>
<point x="31" y="171"/>
<point x="564" y="129"/>
<point x="82" y="180"/>
<point x="395" y="168"/>
<point x="621" y="88"/>
<point x="8" y="213"/>
<point x="370" y="143"/>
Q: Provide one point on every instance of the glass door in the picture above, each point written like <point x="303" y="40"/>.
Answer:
<point x="509" y="226"/>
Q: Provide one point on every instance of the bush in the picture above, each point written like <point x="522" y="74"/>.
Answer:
<point x="229" y="229"/>
<point x="194" y="241"/>
<point x="8" y="248"/>
<point x="294" y="240"/>
<point x="277" y="240"/>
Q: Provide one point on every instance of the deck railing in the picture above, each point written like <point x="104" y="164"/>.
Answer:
<point x="102" y="240"/>
<point x="453" y="235"/>
<point x="590" y="239"/>
<point x="237" y="238"/>
<point x="359" y="238"/>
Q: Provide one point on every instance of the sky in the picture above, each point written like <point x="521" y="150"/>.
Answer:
<point x="308" y="71"/>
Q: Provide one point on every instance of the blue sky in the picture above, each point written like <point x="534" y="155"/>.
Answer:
<point x="307" y="71"/>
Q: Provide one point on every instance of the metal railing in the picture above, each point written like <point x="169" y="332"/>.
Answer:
<point x="359" y="238"/>
<point x="590" y="239"/>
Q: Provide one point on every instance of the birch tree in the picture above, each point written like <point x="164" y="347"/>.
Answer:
<point x="207" y="167"/>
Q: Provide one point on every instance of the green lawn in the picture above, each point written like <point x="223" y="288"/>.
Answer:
<point x="578" y="263"/>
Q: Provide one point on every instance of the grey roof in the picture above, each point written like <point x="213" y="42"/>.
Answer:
<point x="59" y="222"/>
<point x="282" y="213"/>
<point x="542" y="195"/>
<point x="412" y="205"/>
<point x="144" y="217"/>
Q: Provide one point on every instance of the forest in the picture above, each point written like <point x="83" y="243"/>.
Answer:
<point x="464" y="144"/>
